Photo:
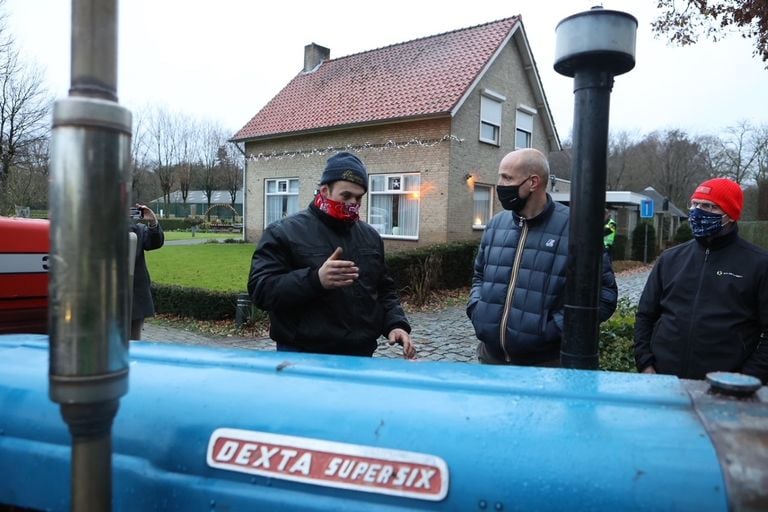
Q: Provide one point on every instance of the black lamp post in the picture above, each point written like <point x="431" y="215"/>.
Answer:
<point x="592" y="47"/>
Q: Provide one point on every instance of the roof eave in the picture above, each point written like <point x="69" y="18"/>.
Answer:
<point x="342" y="127"/>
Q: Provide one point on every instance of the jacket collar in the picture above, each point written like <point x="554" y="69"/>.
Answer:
<point x="545" y="214"/>
<point x="718" y="242"/>
<point x="335" y="224"/>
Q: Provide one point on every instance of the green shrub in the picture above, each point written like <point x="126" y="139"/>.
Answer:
<point x="619" y="247"/>
<point x="455" y="260"/>
<point x="639" y="242"/>
<point x="617" y="339"/>
<point x="683" y="233"/>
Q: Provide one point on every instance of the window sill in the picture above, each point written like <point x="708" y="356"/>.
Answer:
<point x="400" y="237"/>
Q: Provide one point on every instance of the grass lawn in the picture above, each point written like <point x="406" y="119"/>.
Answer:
<point x="222" y="267"/>
<point x="187" y="235"/>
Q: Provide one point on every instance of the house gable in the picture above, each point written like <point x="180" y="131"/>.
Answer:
<point x="417" y="79"/>
<point x="408" y="118"/>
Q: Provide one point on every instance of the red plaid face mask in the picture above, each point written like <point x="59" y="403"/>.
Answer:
<point x="338" y="209"/>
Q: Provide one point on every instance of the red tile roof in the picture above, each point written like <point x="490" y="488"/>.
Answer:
<point x="418" y="78"/>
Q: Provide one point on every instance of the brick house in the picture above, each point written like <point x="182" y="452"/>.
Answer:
<point x="431" y="118"/>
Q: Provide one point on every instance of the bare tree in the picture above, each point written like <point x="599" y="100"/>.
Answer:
<point x="214" y="137"/>
<point x="163" y="134"/>
<point x="620" y="159"/>
<point x="232" y="172"/>
<point x="683" y="21"/>
<point x="25" y="107"/>
<point x="760" y="144"/>
<point x="188" y="150"/>
<point x="674" y="164"/>
<point x="736" y="153"/>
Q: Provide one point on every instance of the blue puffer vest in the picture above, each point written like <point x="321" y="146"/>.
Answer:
<point x="521" y="262"/>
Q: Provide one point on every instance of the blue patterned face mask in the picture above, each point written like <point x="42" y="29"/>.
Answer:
<point x="704" y="224"/>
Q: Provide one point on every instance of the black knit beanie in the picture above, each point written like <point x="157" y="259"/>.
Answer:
<point x="345" y="166"/>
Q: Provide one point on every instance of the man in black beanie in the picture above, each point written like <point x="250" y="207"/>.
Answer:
<point x="322" y="276"/>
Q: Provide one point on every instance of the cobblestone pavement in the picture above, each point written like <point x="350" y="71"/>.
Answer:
<point x="445" y="335"/>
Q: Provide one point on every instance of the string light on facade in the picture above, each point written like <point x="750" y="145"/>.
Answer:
<point x="389" y="145"/>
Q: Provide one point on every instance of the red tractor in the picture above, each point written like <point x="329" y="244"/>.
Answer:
<point x="24" y="248"/>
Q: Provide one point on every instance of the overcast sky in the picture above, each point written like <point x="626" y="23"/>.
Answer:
<point x="224" y="60"/>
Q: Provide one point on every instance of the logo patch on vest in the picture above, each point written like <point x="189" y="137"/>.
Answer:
<point x="329" y="464"/>
<point x="550" y="243"/>
<point x="726" y="273"/>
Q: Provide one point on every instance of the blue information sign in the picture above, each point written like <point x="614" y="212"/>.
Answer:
<point x="646" y="208"/>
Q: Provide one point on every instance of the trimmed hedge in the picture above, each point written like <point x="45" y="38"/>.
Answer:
<point x="454" y="270"/>
<point x="197" y="303"/>
<point x="756" y="232"/>
<point x="176" y="224"/>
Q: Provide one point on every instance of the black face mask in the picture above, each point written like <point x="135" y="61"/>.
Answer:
<point x="509" y="196"/>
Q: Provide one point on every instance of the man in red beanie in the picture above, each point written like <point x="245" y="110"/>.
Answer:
<point x="705" y="305"/>
<point x="322" y="277"/>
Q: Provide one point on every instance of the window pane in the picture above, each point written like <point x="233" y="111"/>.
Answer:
<point x="489" y="132"/>
<point x="524" y="121"/>
<point x="482" y="205"/>
<point x="282" y="199"/>
<point x="522" y="139"/>
<point x="378" y="183"/>
<point x="380" y="215"/>
<point x="490" y="111"/>
<point x="408" y="215"/>
<point x="394" y="209"/>
<point x="412" y="182"/>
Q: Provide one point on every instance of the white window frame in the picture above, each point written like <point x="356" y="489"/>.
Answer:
<point x="491" y="115"/>
<point x="285" y="193"/>
<point x="524" y="125"/>
<point x="489" y="213"/>
<point x="394" y="186"/>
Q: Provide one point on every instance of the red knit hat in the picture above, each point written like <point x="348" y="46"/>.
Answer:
<point x="725" y="193"/>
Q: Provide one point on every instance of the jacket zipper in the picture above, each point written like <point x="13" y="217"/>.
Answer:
<point x="686" y="353"/>
<point x="511" y="288"/>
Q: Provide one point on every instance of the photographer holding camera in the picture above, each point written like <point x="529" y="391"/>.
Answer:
<point x="149" y="236"/>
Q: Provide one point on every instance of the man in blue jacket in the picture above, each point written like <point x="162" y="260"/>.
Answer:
<point x="516" y="301"/>
<point x="705" y="305"/>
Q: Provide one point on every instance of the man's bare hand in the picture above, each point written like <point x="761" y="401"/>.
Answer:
<point x="649" y="369"/>
<point x="337" y="273"/>
<point x="404" y="339"/>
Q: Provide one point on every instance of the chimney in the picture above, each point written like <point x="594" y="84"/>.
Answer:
<point x="314" y="55"/>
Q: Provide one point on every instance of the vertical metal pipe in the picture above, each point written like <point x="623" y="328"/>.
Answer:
<point x="592" y="47"/>
<point x="89" y="292"/>
<point x="94" y="49"/>
<point x="592" y="90"/>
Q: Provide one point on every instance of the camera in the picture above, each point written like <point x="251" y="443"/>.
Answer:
<point x="137" y="213"/>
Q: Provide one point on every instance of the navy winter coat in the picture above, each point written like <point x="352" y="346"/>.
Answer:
<point x="519" y="278"/>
